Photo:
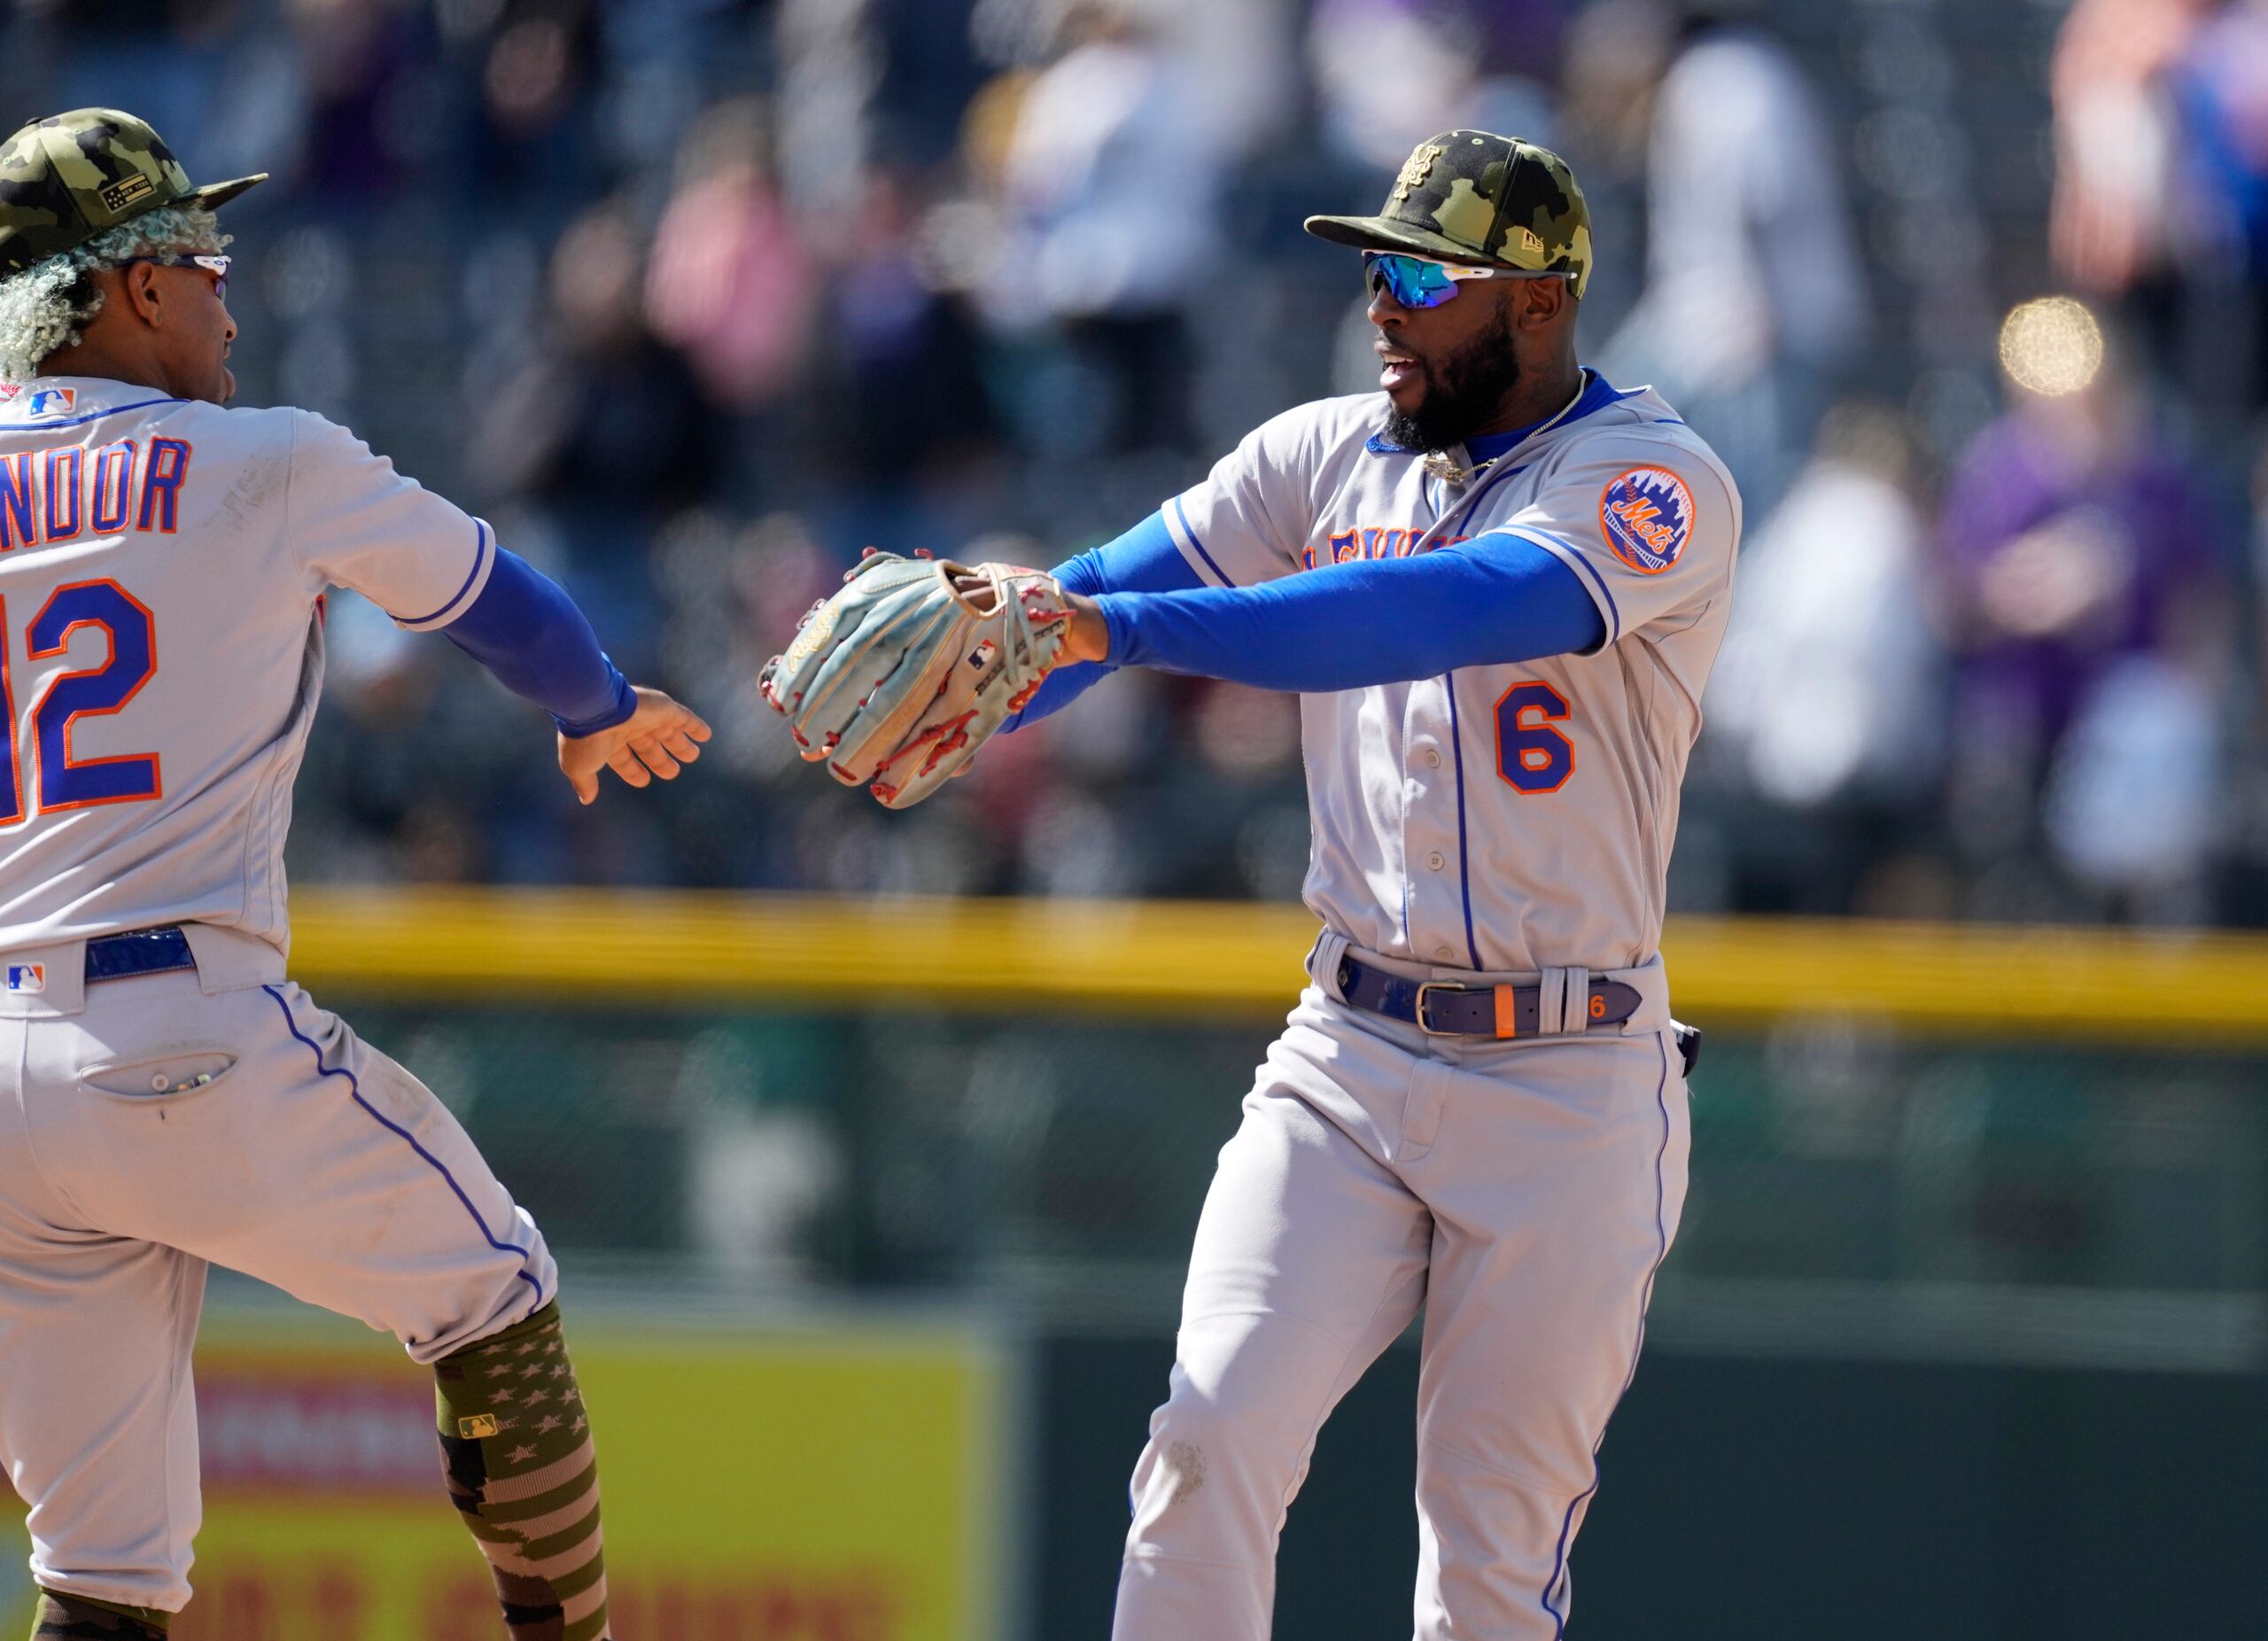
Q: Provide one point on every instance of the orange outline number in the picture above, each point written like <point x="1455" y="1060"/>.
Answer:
<point x="1533" y="758"/>
<point x="12" y="777"/>
<point x="91" y="692"/>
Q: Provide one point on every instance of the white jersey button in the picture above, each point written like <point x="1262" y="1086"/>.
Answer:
<point x="1437" y="860"/>
<point x="1442" y="954"/>
<point x="1433" y="757"/>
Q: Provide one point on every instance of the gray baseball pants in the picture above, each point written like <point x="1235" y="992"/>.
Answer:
<point x="309" y="1160"/>
<point x="1524" y="1194"/>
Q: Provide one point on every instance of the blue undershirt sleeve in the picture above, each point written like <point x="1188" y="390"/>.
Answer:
<point x="1144" y="560"/>
<point x="526" y="630"/>
<point x="1497" y="598"/>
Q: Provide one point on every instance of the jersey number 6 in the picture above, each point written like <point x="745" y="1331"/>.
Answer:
<point x="1530" y="754"/>
<point x="89" y="692"/>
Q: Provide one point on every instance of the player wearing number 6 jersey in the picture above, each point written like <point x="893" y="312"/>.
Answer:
<point x="167" y="1096"/>
<point x="1498" y="589"/>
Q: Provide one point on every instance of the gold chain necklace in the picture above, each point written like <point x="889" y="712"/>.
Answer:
<point x="1439" y="465"/>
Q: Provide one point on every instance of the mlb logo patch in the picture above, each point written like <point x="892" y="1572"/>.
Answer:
<point x="51" y="402"/>
<point x="1646" y="514"/>
<point x="27" y="977"/>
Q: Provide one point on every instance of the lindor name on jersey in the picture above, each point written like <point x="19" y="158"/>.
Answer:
<point x="65" y="493"/>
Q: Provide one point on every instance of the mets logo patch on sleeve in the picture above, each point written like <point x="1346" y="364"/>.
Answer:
<point x="1647" y="514"/>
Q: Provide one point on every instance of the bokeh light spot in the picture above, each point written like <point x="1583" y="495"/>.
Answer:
<point x="2051" y="346"/>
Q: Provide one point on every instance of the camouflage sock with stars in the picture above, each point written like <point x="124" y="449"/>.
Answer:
<point x="523" y="1473"/>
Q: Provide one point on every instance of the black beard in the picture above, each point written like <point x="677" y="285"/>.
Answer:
<point x="1462" y="394"/>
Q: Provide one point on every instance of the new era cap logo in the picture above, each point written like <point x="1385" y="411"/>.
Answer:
<point x="27" y="977"/>
<point x="126" y="190"/>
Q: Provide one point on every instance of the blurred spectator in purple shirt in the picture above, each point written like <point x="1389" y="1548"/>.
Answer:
<point x="2073" y="533"/>
<point x="2081" y="571"/>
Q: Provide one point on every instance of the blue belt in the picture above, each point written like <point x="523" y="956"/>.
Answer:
<point x="142" y="951"/>
<point x="1447" y="1008"/>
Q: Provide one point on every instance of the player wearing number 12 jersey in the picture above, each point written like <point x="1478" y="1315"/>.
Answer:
<point x="168" y="1098"/>
<point x="1498" y="588"/>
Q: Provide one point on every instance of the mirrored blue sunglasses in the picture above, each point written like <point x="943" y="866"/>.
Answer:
<point x="1416" y="283"/>
<point x="212" y="263"/>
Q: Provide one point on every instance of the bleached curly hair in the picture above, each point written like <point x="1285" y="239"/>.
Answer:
<point x="47" y="304"/>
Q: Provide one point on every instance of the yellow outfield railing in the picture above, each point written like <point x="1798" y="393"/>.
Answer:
<point x="1221" y="960"/>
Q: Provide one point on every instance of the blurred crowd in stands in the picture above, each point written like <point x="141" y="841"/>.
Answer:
<point x="694" y="298"/>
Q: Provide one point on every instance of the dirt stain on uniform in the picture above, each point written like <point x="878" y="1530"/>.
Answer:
<point x="1186" y="1467"/>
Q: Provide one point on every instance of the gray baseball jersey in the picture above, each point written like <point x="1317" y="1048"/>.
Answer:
<point x="1501" y="818"/>
<point x="161" y="565"/>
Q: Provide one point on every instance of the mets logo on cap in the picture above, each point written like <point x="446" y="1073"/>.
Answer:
<point x="1647" y="513"/>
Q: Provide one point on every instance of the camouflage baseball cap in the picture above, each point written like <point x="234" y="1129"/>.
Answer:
<point x="1475" y="197"/>
<point x="65" y="179"/>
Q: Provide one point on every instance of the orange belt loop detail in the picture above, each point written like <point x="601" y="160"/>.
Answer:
<point x="1508" y="1022"/>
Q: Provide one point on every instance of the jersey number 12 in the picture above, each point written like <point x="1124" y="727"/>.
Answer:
<point x="63" y="782"/>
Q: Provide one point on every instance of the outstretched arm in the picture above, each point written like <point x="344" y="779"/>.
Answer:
<point x="1495" y="599"/>
<point x="1144" y="560"/>
<point x="524" y="629"/>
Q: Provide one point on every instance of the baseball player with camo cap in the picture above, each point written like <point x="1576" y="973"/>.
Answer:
<point x="1498" y="587"/>
<point x="169" y="1098"/>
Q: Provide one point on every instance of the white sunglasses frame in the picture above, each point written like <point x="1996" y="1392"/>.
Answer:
<point x="216" y="264"/>
<point x="1460" y="272"/>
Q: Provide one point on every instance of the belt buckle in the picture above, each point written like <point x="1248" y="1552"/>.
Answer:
<point x="1424" y="986"/>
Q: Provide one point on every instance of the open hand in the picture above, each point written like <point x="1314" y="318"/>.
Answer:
<point x="658" y="739"/>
